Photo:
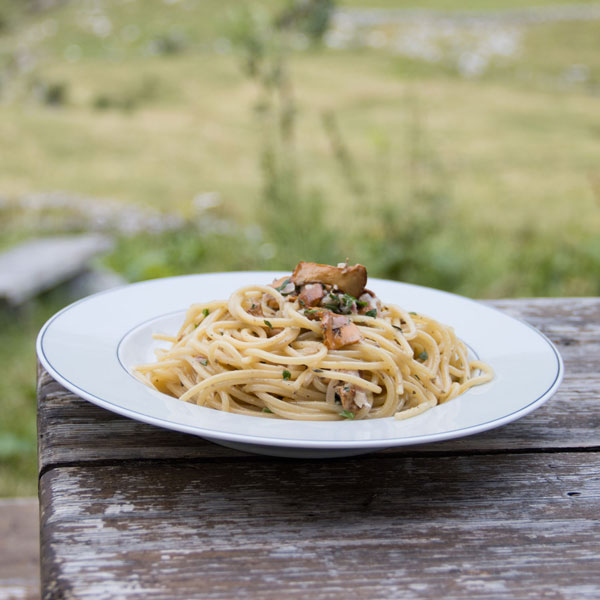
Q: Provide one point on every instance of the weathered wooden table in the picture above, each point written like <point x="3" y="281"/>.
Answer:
<point x="133" y="511"/>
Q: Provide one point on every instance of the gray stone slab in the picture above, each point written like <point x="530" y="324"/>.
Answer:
<point x="38" y="265"/>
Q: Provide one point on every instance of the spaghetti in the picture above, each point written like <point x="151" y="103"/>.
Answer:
<point x="314" y="346"/>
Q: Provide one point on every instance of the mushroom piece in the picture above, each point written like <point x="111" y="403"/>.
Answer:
<point x="338" y="330"/>
<point x="255" y="310"/>
<point x="351" y="280"/>
<point x="311" y="294"/>
<point x="351" y="397"/>
<point x="284" y="285"/>
<point x="370" y="301"/>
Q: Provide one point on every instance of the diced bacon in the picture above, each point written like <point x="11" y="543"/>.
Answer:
<point x="351" y="280"/>
<point x="338" y="330"/>
<point x="311" y="294"/>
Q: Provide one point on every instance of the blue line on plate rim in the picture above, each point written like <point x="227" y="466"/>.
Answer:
<point x="283" y="442"/>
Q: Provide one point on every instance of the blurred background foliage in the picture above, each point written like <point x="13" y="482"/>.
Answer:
<point x="449" y="143"/>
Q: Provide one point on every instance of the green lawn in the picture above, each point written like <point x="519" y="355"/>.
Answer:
<point x="516" y="137"/>
<point x="492" y="181"/>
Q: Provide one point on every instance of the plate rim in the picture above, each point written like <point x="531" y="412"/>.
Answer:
<point x="265" y="441"/>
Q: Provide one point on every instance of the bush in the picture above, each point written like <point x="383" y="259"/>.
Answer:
<point x="51" y="93"/>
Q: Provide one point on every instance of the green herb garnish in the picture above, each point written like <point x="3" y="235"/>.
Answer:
<point x="268" y="324"/>
<point x="205" y="312"/>
<point x="283" y="285"/>
<point x="371" y="313"/>
<point x="348" y="300"/>
<point x="412" y="313"/>
<point x="361" y="303"/>
<point x="423" y="356"/>
<point x="267" y="410"/>
<point x="287" y="375"/>
<point x="204" y="361"/>
<point x="347" y="414"/>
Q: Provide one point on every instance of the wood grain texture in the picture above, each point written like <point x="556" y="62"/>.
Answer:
<point x="72" y="430"/>
<point x="510" y="526"/>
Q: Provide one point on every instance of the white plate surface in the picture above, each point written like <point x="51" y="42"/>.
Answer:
<point x="91" y="346"/>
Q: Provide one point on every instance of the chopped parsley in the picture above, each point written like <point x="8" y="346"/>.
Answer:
<point x="267" y="410"/>
<point x="423" y="356"/>
<point x="205" y="312"/>
<point x="284" y="285"/>
<point x="371" y="313"/>
<point x="268" y="324"/>
<point x="339" y="303"/>
<point x="348" y="300"/>
<point x="347" y="414"/>
<point x="204" y="361"/>
<point x="332" y="303"/>
<point x="361" y="304"/>
<point x="286" y="375"/>
<point x="412" y="313"/>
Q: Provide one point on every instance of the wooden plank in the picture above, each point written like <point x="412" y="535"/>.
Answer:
<point x="19" y="549"/>
<point x="573" y="324"/>
<point x="510" y="526"/>
<point x="38" y="265"/>
<point x="72" y="430"/>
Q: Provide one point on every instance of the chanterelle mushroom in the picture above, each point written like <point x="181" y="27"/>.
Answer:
<point x="338" y="330"/>
<point x="348" y="279"/>
<point x="311" y="294"/>
<point x="351" y="397"/>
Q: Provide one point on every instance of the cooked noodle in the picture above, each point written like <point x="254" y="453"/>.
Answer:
<point x="258" y="353"/>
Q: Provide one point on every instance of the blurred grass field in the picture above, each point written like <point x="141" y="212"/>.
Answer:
<point x="485" y="183"/>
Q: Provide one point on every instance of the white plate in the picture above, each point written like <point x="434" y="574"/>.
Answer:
<point x="91" y="346"/>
